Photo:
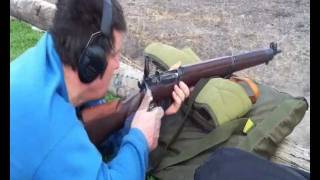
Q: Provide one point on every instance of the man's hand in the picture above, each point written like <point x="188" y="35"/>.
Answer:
<point x="148" y="122"/>
<point x="179" y="94"/>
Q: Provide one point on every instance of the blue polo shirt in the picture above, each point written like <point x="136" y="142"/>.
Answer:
<point x="47" y="140"/>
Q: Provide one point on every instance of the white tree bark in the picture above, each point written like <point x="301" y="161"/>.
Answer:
<point x="36" y="12"/>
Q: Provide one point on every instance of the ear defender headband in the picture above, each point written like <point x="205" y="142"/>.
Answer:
<point x="92" y="62"/>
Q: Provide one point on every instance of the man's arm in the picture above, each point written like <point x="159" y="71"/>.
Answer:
<point x="76" y="158"/>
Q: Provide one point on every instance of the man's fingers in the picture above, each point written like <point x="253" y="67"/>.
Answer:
<point x="158" y="115"/>
<point x="191" y="89"/>
<point x="176" y="98"/>
<point x="146" y="100"/>
<point x="179" y="92"/>
<point x="184" y="88"/>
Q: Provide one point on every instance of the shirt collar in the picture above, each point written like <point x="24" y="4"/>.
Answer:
<point x="55" y="60"/>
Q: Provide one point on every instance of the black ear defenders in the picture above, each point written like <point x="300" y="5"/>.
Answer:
<point x="92" y="61"/>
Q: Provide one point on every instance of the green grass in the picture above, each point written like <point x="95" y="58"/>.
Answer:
<point x="151" y="177"/>
<point x="22" y="37"/>
<point x="110" y="97"/>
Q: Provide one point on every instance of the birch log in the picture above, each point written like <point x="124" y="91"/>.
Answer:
<point x="36" y="12"/>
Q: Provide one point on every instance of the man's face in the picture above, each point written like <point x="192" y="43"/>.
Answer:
<point x="99" y="86"/>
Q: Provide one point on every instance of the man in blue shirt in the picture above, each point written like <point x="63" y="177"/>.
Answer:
<point x="72" y="64"/>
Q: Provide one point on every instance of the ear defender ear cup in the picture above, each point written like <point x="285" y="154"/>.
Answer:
<point x="92" y="61"/>
<point x="91" y="64"/>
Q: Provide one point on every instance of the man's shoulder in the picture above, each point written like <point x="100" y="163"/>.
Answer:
<point x="34" y="80"/>
<point x="38" y="123"/>
<point x="40" y="110"/>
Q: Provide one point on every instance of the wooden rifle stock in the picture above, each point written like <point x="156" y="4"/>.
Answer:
<point x="102" y="120"/>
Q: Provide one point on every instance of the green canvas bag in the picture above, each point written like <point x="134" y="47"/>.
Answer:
<point x="184" y="145"/>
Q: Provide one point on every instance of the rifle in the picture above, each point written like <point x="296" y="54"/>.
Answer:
<point x="102" y="120"/>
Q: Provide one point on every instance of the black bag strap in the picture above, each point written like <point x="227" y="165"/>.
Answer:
<point x="160" y="152"/>
<point x="191" y="100"/>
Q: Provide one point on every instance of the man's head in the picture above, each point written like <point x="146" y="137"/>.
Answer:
<point x="74" y="23"/>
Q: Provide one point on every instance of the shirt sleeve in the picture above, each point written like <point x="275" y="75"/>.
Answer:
<point x="75" y="157"/>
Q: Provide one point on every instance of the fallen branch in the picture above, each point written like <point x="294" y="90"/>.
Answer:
<point x="36" y="12"/>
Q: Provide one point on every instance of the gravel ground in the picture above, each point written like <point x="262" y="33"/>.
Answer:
<point x="214" y="28"/>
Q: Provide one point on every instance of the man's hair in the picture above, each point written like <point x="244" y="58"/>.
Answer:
<point x="75" y="21"/>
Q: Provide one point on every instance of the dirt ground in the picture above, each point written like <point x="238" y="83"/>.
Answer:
<point x="214" y="28"/>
